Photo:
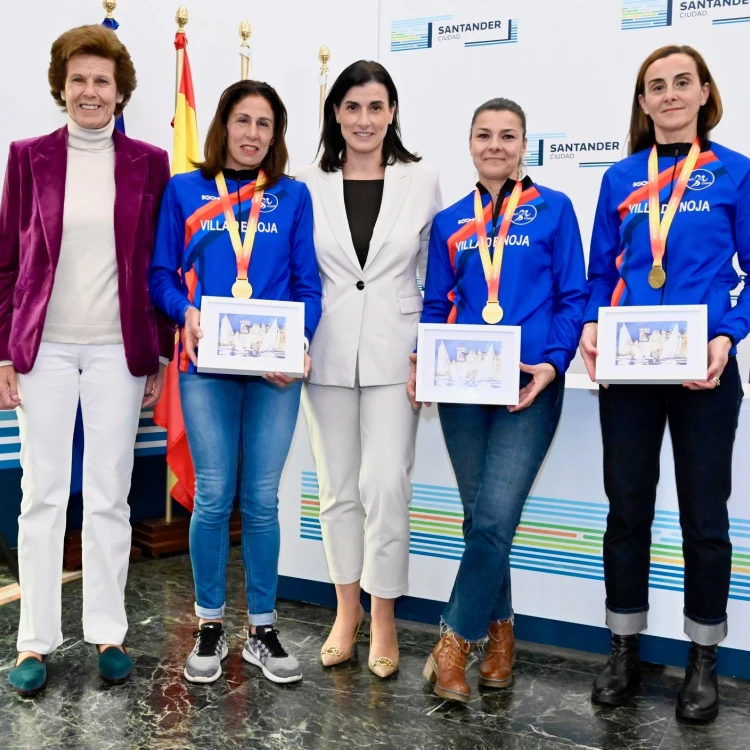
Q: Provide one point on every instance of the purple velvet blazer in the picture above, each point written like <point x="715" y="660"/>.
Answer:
<point x="31" y="225"/>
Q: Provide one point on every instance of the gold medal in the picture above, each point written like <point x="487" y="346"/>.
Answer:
<point x="242" y="289"/>
<point x="492" y="313"/>
<point x="657" y="277"/>
<point x="243" y="250"/>
<point x="492" y="265"/>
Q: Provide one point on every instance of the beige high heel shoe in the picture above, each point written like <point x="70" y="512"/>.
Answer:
<point x="332" y="655"/>
<point x="381" y="666"/>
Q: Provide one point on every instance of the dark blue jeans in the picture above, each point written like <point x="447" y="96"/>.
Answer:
<point x="702" y="425"/>
<point x="225" y="418"/>
<point x="496" y="456"/>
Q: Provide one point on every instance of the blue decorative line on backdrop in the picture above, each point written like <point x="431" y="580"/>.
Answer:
<point x="555" y="536"/>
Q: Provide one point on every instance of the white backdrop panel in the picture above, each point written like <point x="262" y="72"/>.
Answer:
<point x="287" y="35"/>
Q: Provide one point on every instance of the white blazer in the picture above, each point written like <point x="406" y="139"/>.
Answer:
<point x="370" y="314"/>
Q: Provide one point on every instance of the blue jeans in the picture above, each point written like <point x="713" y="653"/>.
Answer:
<point x="237" y="427"/>
<point x="496" y="456"/>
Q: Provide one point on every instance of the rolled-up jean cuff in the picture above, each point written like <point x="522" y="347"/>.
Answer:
<point x="210" y="614"/>
<point x="705" y="635"/>
<point x="446" y="626"/>
<point x="267" y="618"/>
<point x="627" y="623"/>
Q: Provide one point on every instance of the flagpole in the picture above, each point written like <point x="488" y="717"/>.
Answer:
<point x="245" y="32"/>
<point x="182" y="21"/>
<point x="110" y="6"/>
<point x="324" y="56"/>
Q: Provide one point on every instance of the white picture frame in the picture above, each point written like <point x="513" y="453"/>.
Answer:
<point x="453" y="364"/>
<point x="652" y="344"/>
<point x="251" y="337"/>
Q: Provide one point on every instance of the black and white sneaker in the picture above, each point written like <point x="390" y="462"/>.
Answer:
<point x="264" y="650"/>
<point x="204" y="663"/>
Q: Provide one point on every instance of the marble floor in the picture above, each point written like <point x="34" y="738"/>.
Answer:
<point x="547" y="708"/>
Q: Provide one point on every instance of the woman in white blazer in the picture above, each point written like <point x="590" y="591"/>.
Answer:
<point x="373" y="203"/>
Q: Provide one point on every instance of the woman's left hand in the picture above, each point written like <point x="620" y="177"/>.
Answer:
<point x="541" y="376"/>
<point x="282" y="380"/>
<point x="154" y="387"/>
<point x="718" y="356"/>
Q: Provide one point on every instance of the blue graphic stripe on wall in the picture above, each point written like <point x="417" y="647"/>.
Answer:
<point x="723" y="21"/>
<point x="555" y="536"/>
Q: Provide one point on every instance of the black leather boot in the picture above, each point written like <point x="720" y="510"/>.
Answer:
<point x="617" y="682"/>
<point x="698" y="698"/>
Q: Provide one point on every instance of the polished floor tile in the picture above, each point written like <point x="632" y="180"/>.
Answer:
<point x="546" y="708"/>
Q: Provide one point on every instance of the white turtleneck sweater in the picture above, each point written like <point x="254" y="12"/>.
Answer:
<point x="84" y="307"/>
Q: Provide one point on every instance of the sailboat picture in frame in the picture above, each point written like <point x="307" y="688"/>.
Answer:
<point x="251" y="337"/>
<point x="652" y="344"/>
<point x="468" y="364"/>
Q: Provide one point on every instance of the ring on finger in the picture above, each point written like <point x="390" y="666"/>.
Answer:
<point x="717" y="381"/>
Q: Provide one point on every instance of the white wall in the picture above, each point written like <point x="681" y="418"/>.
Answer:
<point x="287" y="35"/>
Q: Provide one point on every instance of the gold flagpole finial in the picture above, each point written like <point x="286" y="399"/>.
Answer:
<point x="110" y="6"/>
<point x="181" y="19"/>
<point x="324" y="56"/>
<point x="246" y="31"/>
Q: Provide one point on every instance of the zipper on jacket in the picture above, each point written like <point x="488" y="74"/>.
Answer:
<point x="239" y="203"/>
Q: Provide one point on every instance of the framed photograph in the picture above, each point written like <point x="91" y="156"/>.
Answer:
<point x="468" y="364"/>
<point x="251" y="337"/>
<point x="652" y="344"/>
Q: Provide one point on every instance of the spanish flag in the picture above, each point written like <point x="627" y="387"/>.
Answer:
<point x="168" y="412"/>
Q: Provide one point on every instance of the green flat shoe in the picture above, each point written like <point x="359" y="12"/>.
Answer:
<point x="29" y="677"/>
<point x="115" y="666"/>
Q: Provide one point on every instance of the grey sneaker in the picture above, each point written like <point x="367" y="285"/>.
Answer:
<point x="204" y="663"/>
<point x="264" y="650"/>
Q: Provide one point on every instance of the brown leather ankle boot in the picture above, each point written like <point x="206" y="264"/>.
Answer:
<point x="446" y="667"/>
<point x="500" y="655"/>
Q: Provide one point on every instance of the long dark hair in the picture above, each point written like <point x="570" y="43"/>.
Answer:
<point x="332" y="143"/>
<point x="642" y="126"/>
<point x="215" y="150"/>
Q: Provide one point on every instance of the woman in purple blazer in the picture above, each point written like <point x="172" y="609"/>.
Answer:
<point x="76" y="235"/>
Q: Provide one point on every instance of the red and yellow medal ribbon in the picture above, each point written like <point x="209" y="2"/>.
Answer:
<point x="493" y="265"/>
<point x="243" y="250"/>
<point x="659" y="226"/>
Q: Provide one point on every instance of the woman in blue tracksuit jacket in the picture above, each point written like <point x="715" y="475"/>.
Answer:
<point x="237" y="424"/>
<point x="675" y="107"/>
<point x="496" y="451"/>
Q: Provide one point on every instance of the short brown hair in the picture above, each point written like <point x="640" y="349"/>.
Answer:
<point x="642" y="126"/>
<point x="91" y="40"/>
<point x="215" y="149"/>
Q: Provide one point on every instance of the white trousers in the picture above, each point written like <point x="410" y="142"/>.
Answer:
<point x="364" y="440"/>
<point x="110" y="403"/>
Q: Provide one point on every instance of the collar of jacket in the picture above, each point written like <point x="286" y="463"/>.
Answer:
<point x="680" y="149"/>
